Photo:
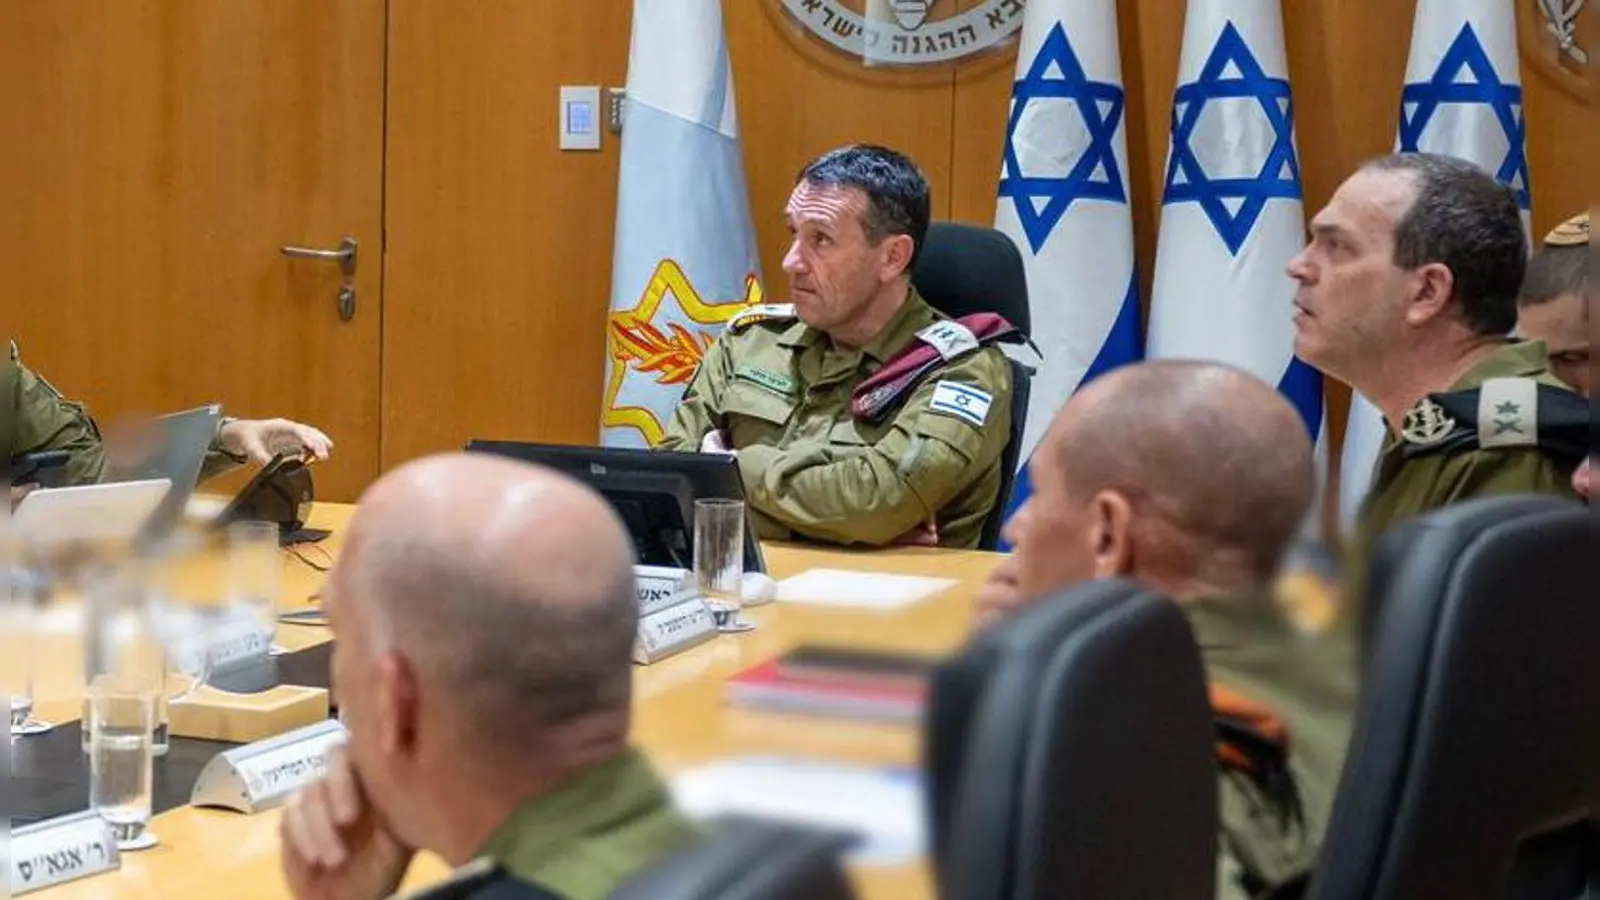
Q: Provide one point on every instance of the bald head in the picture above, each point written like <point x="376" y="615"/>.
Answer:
<point x="1190" y="476"/>
<point x="507" y="587"/>
<point x="1215" y="461"/>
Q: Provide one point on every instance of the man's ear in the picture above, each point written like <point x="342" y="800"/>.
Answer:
<point x="896" y="251"/>
<point x="399" y="706"/>
<point x="1111" y="534"/>
<point x="1434" y="286"/>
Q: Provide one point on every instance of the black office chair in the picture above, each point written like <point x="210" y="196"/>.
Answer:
<point x="1474" y="772"/>
<point x="1069" y="753"/>
<point x="746" y="858"/>
<point x="965" y="269"/>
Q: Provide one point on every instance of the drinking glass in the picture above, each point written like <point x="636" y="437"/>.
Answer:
<point x="255" y="572"/>
<point x="135" y="635"/>
<point x="719" y="527"/>
<point x="121" y="757"/>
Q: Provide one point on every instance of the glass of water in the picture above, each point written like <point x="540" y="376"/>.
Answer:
<point x="719" y="559"/>
<point x="121" y="758"/>
<point x="255" y="572"/>
<point x="134" y="634"/>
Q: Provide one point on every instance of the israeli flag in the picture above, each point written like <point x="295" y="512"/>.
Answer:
<point x="1232" y="216"/>
<point x="1063" y="198"/>
<point x="685" y="257"/>
<point x="1463" y="98"/>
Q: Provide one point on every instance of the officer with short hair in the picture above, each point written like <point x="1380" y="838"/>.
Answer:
<point x="858" y="413"/>
<point x="1407" y="292"/>
<point x="1554" y="304"/>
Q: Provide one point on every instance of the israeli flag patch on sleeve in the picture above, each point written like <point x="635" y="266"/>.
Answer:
<point x="963" y="401"/>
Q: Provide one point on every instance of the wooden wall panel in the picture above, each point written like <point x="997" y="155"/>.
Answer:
<point x="499" y="244"/>
<point x="798" y="98"/>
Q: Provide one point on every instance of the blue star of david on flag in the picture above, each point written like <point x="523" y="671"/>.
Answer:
<point x="1420" y="101"/>
<point x="1279" y="176"/>
<point x="1096" y="175"/>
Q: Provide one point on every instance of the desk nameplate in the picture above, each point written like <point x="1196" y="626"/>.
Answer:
<point x="59" y="850"/>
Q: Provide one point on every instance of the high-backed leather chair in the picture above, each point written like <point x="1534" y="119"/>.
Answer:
<point x="747" y="858"/>
<point x="1474" y="770"/>
<point x="1070" y="754"/>
<point x="965" y="269"/>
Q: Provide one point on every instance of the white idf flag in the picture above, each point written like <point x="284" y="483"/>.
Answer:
<point x="685" y="255"/>
<point x="1232" y="215"/>
<point x="1063" y="198"/>
<point x="1463" y="98"/>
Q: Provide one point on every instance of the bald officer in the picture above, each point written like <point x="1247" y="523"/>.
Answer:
<point x="485" y="616"/>
<point x="1193" y="478"/>
<point x="858" y="413"/>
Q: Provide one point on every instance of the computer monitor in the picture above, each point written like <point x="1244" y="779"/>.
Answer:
<point x="652" y="491"/>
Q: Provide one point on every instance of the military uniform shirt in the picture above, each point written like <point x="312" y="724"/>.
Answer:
<point x="44" y="420"/>
<point x="1308" y="682"/>
<point x="1403" y="487"/>
<point x="593" y="833"/>
<point x="781" y="391"/>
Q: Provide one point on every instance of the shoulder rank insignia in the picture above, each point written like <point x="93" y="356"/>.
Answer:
<point x="766" y="312"/>
<point x="951" y="338"/>
<point x="1427" y="424"/>
<point x="1502" y="414"/>
<point x="1508" y="413"/>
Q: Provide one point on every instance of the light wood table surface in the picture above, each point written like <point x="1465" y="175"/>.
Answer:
<point x="681" y="721"/>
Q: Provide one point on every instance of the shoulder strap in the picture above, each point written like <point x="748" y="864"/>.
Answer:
<point x="942" y="342"/>
<point x="766" y="312"/>
<point x="1504" y="413"/>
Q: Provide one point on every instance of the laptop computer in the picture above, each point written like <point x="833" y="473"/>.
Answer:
<point x="175" y="452"/>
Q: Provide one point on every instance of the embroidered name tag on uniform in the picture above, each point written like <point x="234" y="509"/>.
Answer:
<point x="963" y="401"/>
<point x="772" y="381"/>
<point x="950" y="338"/>
<point x="1508" y="413"/>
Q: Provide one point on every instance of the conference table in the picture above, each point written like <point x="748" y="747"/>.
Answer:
<point x="681" y="719"/>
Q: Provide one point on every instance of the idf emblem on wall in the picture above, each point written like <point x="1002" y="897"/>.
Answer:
<point x="1558" y="39"/>
<point x="907" y="32"/>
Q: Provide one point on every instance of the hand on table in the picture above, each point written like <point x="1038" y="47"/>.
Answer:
<point x="260" y="439"/>
<point x="924" y="535"/>
<point x="1001" y="595"/>
<point x="334" y="847"/>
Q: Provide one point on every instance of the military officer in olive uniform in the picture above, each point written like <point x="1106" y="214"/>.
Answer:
<point x="858" y="413"/>
<point x="485" y="616"/>
<point x="1194" y="478"/>
<point x="1407" y="292"/>
<point x="1554" y="304"/>
<point x="37" y="418"/>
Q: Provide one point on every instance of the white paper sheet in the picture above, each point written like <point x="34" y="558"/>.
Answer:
<point x="883" y="806"/>
<point x="864" y="590"/>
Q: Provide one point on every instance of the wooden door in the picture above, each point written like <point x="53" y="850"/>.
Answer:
<point x="499" y="243"/>
<point x="156" y="155"/>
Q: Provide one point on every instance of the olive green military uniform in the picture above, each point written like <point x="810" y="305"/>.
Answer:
<point x="45" y="420"/>
<point x="781" y="391"/>
<point x="1307" y="682"/>
<point x="1405" y="484"/>
<point x="585" y="839"/>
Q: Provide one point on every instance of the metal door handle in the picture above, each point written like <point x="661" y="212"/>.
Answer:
<point x="345" y="256"/>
